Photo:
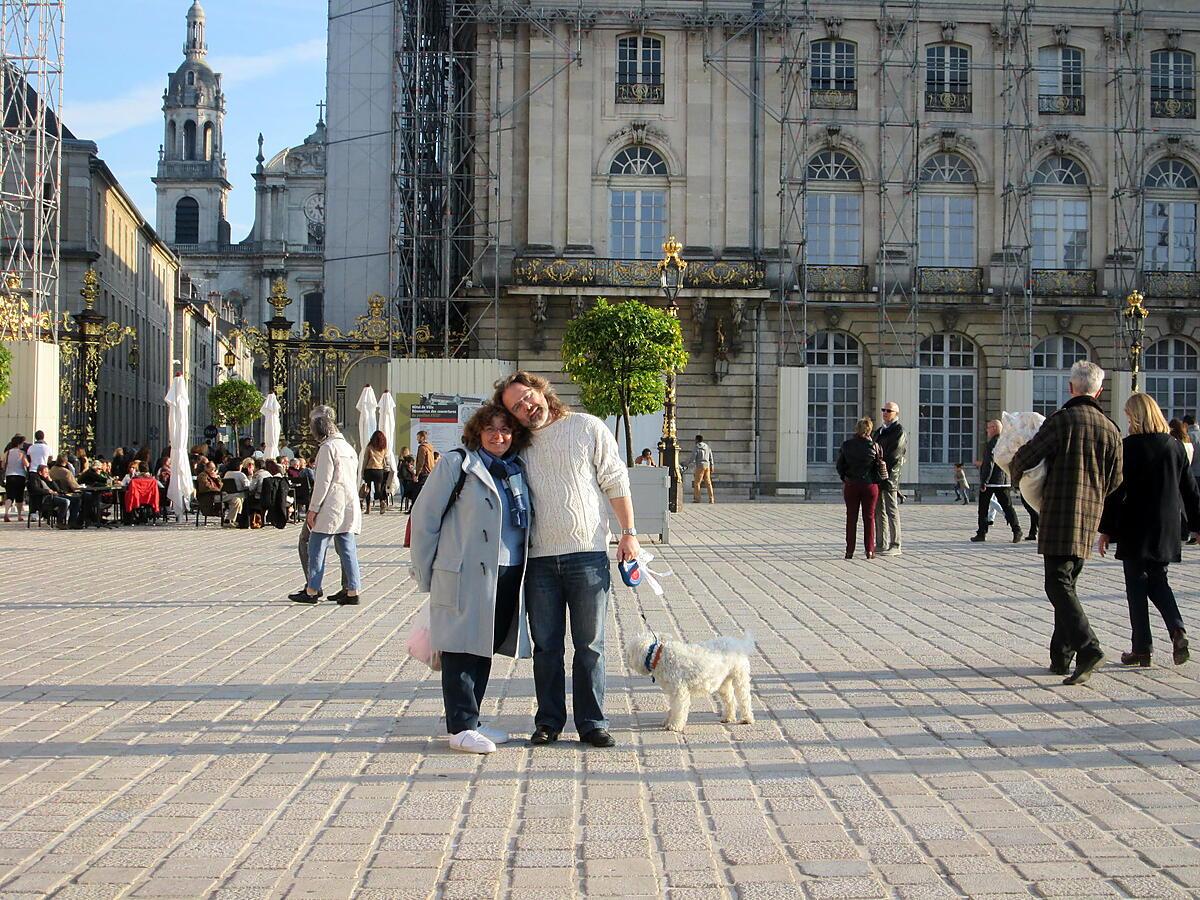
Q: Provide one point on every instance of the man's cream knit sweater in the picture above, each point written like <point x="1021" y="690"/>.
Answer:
<point x="573" y="468"/>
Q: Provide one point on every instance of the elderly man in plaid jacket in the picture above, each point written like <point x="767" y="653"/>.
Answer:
<point x="1082" y="450"/>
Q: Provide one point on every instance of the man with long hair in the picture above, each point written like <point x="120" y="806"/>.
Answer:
<point x="575" y="474"/>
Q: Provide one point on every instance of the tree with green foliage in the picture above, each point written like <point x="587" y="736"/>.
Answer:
<point x="618" y="353"/>
<point x="5" y="374"/>
<point x="234" y="402"/>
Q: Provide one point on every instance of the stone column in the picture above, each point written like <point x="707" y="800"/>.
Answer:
<point x="902" y="386"/>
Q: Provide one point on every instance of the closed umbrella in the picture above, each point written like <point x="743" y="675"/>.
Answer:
<point x="181" y="489"/>
<point x="366" y="406"/>
<point x="387" y="424"/>
<point x="271" y="426"/>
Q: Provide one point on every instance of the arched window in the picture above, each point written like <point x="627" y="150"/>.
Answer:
<point x="208" y="140"/>
<point x="834" y="362"/>
<point x="1060" y="215"/>
<point x="1173" y="376"/>
<point x="1172" y="84"/>
<point x="189" y="139"/>
<point x="1052" y="361"/>
<point x="834" y="74"/>
<point x="1172" y="193"/>
<point x="637" y="204"/>
<point x="172" y="141"/>
<point x="187" y="221"/>
<point x="639" y="69"/>
<point x="947" y="78"/>
<point x="833" y="210"/>
<point x="946" y="215"/>
<point x="1060" y="81"/>
<point x="947" y="399"/>
<point x="191" y="78"/>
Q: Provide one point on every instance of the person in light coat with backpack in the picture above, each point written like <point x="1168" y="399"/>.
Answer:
<point x="469" y="544"/>
<point x="333" y="512"/>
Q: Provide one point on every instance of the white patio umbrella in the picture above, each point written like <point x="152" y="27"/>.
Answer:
<point x="366" y="406"/>
<point x="181" y="489"/>
<point x="271" y="426"/>
<point x="387" y="424"/>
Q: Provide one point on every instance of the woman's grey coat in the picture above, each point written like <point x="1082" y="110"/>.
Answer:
<point x="457" y="559"/>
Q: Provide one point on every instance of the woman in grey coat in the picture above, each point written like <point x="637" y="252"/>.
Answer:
<point x="470" y="539"/>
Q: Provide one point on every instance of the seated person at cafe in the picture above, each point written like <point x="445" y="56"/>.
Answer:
<point x="236" y="485"/>
<point x="94" y="475"/>
<point x="48" y="500"/>
<point x="64" y="480"/>
<point x="208" y="488"/>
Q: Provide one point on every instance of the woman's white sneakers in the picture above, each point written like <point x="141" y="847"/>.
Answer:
<point x="495" y="735"/>
<point x="472" y="742"/>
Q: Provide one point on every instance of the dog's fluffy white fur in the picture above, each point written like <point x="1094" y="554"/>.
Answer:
<point x="720" y="666"/>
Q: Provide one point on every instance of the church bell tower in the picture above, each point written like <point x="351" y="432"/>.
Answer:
<point x="191" y="184"/>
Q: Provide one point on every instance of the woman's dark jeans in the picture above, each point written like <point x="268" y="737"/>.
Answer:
<point x="1148" y="580"/>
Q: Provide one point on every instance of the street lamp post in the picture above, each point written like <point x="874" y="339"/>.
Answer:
<point x="1133" y="318"/>
<point x="671" y="269"/>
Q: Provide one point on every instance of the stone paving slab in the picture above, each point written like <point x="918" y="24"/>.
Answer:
<point x="170" y="726"/>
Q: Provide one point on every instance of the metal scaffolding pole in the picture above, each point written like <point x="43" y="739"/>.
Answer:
<point x="793" y="179"/>
<point x="899" y="137"/>
<point x="31" y="88"/>
<point x="1127" y="78"/>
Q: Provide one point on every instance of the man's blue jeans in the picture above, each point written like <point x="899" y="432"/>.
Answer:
<point x="347" y="551"/>
<point x="577" y="584"/>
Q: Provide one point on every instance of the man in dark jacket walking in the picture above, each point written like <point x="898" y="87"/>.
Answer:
<point x="1082" y="450"/>
<point x="893" y="442"/>
<point x="993" y="482"/>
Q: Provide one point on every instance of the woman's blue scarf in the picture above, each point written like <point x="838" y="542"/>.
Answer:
<point x="510" y="475"/>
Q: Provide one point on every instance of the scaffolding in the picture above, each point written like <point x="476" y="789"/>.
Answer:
<point x="1128" y="83"/>
<point x="31" y="88"/>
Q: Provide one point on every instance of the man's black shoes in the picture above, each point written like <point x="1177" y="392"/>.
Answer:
<point x="1086" y="662"/>
<point x="979" y="538"/>
<point x="598" y="737"/>
<point x="303" y="596"/>
<point x="543" y="735"/>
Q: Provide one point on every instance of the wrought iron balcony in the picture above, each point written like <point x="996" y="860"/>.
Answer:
<point x="950" y="280"/>
<point x="947" y="101"/>
<point x="833" y="99"/>
<point x="552" y="271"/>
<point x="837" y="279"/>
<point x="1171" y="284"/>
<point x="1061" y="104"/>
<point x="1172" y="108"/>
<point x="640" y="92"/>
<point x="1064" y="282"/>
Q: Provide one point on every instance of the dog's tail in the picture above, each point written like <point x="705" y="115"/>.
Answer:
<point x="744" y="645"/>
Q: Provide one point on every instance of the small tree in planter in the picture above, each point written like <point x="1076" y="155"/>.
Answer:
<point x="618" y="354"/>
<point x="234" y="402"/>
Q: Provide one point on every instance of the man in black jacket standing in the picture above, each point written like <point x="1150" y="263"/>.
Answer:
<point x="893" y="441"/>
<point x="993" y="481"/>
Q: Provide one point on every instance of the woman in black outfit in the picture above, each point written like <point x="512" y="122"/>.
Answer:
<point x="856" y="464"/>
<point x="1142" y="516"/>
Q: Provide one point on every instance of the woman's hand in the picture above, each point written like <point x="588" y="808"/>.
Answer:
<point x="1102" y="543"/>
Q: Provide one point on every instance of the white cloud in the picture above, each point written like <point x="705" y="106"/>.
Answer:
<point x="142" y="105"/>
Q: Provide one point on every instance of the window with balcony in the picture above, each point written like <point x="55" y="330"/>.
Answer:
<point x="1173" y="376"/>
<point x="946" y="417"/>
<point x="947" y="78"/>
<point x="1052" y="361"/>
<point x="834" y="361"/>
<point x="639" y="69"/>
<point x="1060" y="81"/>
<point x="1172" y="84"/>
<point x="1059" y="211"/>
<point x="834" y="80"/>
<point x="1172" y="193"/>
<point x="833" y="210"/>
<point x="637" y="203"/>
<point x="946" y="213"/>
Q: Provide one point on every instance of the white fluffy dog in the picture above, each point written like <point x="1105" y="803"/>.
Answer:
<point x="720" y="666"/>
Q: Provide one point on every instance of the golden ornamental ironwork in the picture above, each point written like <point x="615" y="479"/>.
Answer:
<point x="19" y="323"/>
<point x="1135" y="306"/>
<point x="672" y="249"/>
<point x="837" y="279"/>
<point x="1172" y="284"/>
<point x="91" y="288"/>
<point x="279" y="298"/>
<point x="1064" y="282"/>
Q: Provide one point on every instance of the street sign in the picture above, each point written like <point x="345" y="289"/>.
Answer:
<point x="210" y="433"/>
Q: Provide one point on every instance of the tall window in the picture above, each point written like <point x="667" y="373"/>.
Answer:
<point x="833" y="66"/>
<point x="1060" y="81"/>
<point x="833" y="210"/>
<point x="1172" y="192"/>
<point x="172" y="141"/>
<point x="1060" y="215"/>
<point x="1173" y="84"/>
<point x="1173" y="376"/>
<point x="637" y="204"/>
<point x="834" y="392"/>
<point x="1052" y="361"/>
<point x="189" y="140"/>
<point x="208" y="140"/>
<point x="639" y="69"/>
<point x="946" y="215"/>
<point x="187" y="221"/>
<point x="947" y="399"/>
<point x="947" y="78"/>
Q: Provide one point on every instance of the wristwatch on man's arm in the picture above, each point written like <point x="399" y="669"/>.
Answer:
<point x="631" y="532"/>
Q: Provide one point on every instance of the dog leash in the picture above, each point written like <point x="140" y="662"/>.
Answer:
<point x="650" y="576"/>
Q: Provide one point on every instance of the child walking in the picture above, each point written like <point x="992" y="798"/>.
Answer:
<point x="962" y="487"/>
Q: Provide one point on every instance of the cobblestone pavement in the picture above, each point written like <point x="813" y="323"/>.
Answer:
<point x="171" y="726"/>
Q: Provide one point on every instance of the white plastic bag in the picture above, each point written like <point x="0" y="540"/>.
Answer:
<point x="420" y="641"/>
<point x="1031" y="486"/>
<point x="1019" y="429"/>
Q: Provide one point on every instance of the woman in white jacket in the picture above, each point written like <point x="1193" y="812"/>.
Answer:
<point x="333" y="511"/>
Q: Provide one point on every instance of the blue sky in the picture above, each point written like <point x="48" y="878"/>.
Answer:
<point x="119" y="53"/>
